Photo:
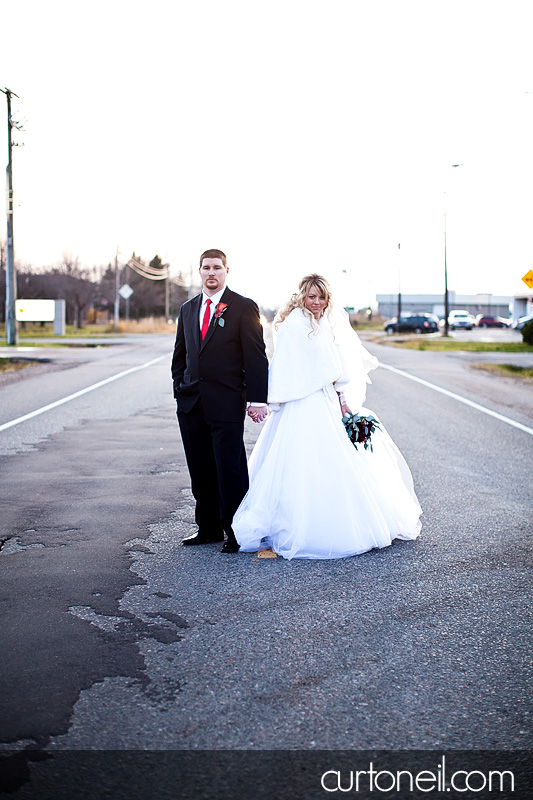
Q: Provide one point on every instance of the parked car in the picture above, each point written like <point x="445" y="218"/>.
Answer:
<point x="412" y="323"/>
<point x="519" y="323"/>
<point x="482" y="321"/>
<point x="460" y="319"/>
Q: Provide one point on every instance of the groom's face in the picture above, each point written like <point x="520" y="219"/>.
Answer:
<point x="213" y="274"/>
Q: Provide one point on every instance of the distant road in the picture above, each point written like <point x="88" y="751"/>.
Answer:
<point x="74" y="370"/>
<point x="455" y="372"/>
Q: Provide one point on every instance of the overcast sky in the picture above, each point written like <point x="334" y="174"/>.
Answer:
<point x="297" y="136"/>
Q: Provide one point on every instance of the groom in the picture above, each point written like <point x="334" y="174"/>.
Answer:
<point x="219" y="365"/>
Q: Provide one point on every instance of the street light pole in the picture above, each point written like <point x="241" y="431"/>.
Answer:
<point x="399" y="287"/>
<point x="446" y="302"/>
<point x="446" y="306"/>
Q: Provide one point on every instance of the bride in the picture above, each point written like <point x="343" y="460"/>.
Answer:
<point x="312" y="493"/>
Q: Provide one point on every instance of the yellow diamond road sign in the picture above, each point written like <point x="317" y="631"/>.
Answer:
<point x="528" y="278"/>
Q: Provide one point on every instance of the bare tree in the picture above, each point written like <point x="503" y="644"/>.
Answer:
<point x="75" y="284"/>
<point x="179" y="293"/>
<point x="82" y="287"/>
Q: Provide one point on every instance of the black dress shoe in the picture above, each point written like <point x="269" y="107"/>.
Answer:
<point x="203" y="538"/>
<point x="230" y="546"/>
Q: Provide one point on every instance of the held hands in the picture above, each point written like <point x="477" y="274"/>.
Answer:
<point x="258" y="413"/>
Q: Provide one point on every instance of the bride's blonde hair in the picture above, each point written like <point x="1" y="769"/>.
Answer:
<point x="298" y="299"/>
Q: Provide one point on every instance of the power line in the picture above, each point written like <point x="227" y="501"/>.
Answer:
<point x="147" y="271"/>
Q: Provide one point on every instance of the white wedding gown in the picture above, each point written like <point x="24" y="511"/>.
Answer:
<point x="312" y="493"/>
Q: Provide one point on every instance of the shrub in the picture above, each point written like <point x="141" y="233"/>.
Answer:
<point x="527" y="332"/>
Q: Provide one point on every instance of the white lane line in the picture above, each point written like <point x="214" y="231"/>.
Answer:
<point x="91" y="388"/>
<point x="461" y="399"/>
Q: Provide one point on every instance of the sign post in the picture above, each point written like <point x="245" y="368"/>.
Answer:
<point x="126" y="292"/>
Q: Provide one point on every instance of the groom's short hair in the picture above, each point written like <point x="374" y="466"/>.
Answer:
<point x="214" y="254"/>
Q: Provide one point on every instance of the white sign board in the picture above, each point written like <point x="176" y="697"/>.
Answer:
<point x="35" y="310"/>
<point x="125" y="291"/>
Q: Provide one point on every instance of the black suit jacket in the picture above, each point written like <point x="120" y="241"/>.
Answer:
<point x="228" y="368"/>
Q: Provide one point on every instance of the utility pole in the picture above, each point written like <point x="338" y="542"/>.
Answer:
<point x="167" y="294"/>
<point x="127" y="283"/>
<point x="117" y="295"/>
<point x="11" y="276"/>
<point x="190" y="292"/>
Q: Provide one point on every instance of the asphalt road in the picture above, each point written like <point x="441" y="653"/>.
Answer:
<point x="115" y="637"/>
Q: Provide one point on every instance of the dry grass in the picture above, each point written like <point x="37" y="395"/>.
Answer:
<point x="146" y="325"/>
<point x="511" y="370"/>
<point x="361" y="322"/>
<point x="34" y="330"/>
<point x="13" y="364"/>
<point x="427" y="342"/>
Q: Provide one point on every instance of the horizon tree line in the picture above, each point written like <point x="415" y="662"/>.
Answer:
<point x="84" y="288"/>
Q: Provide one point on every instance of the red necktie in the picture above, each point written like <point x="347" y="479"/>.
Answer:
<point x="206" y="320"/>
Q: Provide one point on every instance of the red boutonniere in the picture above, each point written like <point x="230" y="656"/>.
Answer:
<point x="219" y="310"/>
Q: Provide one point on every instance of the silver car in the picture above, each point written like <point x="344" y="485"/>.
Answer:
<point x="460" y="319"/>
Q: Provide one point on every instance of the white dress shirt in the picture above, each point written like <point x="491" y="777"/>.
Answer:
<point x="214" y="300"/>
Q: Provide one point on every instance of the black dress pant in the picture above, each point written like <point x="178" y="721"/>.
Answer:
<point x="217" y="464"/>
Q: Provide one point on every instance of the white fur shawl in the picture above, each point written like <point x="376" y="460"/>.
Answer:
<point x="306" y="360"/>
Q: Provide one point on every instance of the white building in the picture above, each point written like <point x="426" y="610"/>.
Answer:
<point x="522" y="305"/>
<point x="490" y="304"/>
